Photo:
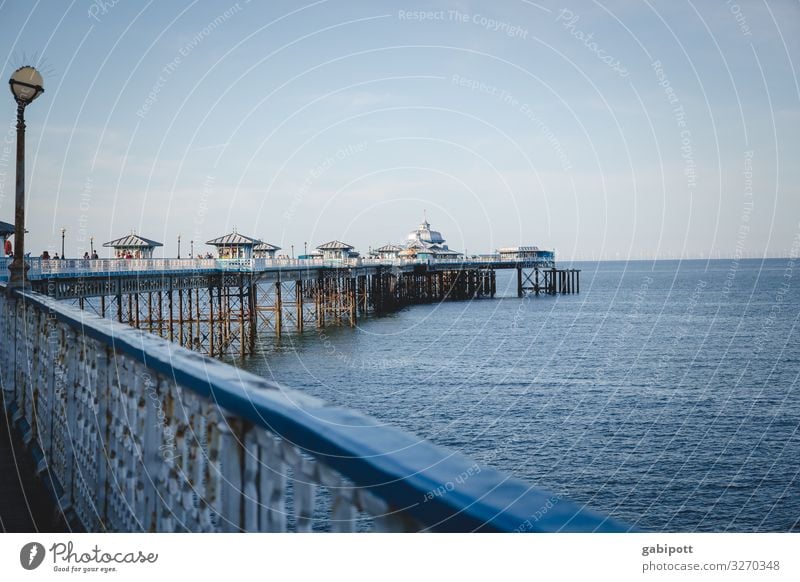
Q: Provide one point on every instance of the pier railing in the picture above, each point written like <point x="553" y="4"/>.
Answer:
<point x="51" y="268"/>
<point x="46" y="268"/>
<point x="139" y="434"/>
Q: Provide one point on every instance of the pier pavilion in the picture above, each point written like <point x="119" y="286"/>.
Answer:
<point x="387" y="252"/>
<point x="133" y="246"/>
<point x="409" y="254"/>
<point x="265" y="250"/>
<point x="234" y="245"/>
<point x="424" y="252"/>
<point x="525" y="253"/>
<point x="337" y="251"/>
<point x="424" y="243"/>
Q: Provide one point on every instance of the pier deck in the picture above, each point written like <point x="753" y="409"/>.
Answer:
<point x="220" y="307"/>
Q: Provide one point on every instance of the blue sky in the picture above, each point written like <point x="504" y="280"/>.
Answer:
<point x="613" y="129"/>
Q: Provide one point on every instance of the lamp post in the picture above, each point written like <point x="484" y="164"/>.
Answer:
<point x="292" y="252"/>
<point x="91" y="246"/>
<point x="179" y="246"/>
<point x="191" y="249"/>
<point x="305" y="248"/>
<point x="63" y="232"/>
<point x="26" y="85"/>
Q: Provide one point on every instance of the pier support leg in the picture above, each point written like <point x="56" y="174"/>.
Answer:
<point x="318" y="301"/>
<point x="161" y="314"/>
<point x="211" y="330"/>
<point x="171" y="315"/>
<point x="242" y="329"/>
<point x="221" y="316"/>
<point x="298" y="294"/>
<point x="278" y="310"/>
<point x="150" y="312"/>
<point x="190" y="339"/>
<point x="180" y="317"/>
<point x="136" y="319"/>
<point x="199" y="341"/>
<point x="252" y="307"/>
<point x="352" y="298"/>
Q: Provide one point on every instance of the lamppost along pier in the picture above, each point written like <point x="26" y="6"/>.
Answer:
<point x="26" y="85"/>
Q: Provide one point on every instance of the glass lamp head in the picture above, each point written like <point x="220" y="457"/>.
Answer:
<point x="26" y="84"/>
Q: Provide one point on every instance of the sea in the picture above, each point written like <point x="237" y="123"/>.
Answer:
<point x="664" y="394"/>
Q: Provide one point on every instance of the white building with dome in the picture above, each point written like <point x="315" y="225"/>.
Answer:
<point x="424" y="243"/>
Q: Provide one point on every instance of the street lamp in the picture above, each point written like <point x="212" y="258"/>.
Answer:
<point x="63" y="231"/>
<point x="91" y="247"/>
<point x="292" y="252"/>
<point x="305" y="248"/>
<point x="26" y="85"/>
<point x="191" y="249"/>
<point x="179" y="246"/>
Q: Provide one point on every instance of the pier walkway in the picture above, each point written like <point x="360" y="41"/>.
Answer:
<point x="49" y="268"/>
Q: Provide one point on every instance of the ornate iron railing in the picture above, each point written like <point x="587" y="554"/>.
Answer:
<point x="139" y="434"/>
<point x="52" y="269"/>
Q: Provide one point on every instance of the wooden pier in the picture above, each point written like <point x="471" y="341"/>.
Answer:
<point x="221" y="311"/>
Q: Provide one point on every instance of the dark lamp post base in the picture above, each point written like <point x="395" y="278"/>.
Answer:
<point x="18" y="274"/>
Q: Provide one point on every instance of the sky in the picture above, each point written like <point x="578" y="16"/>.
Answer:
<point x="604" y="130"/>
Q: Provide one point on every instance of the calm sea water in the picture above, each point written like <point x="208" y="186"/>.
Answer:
<point x="665" y="394"/>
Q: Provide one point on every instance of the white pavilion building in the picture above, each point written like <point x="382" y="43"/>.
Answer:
<point x="336" y="251"/>
<point x="133" y="246"/>
<point x="424" y="243"/>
